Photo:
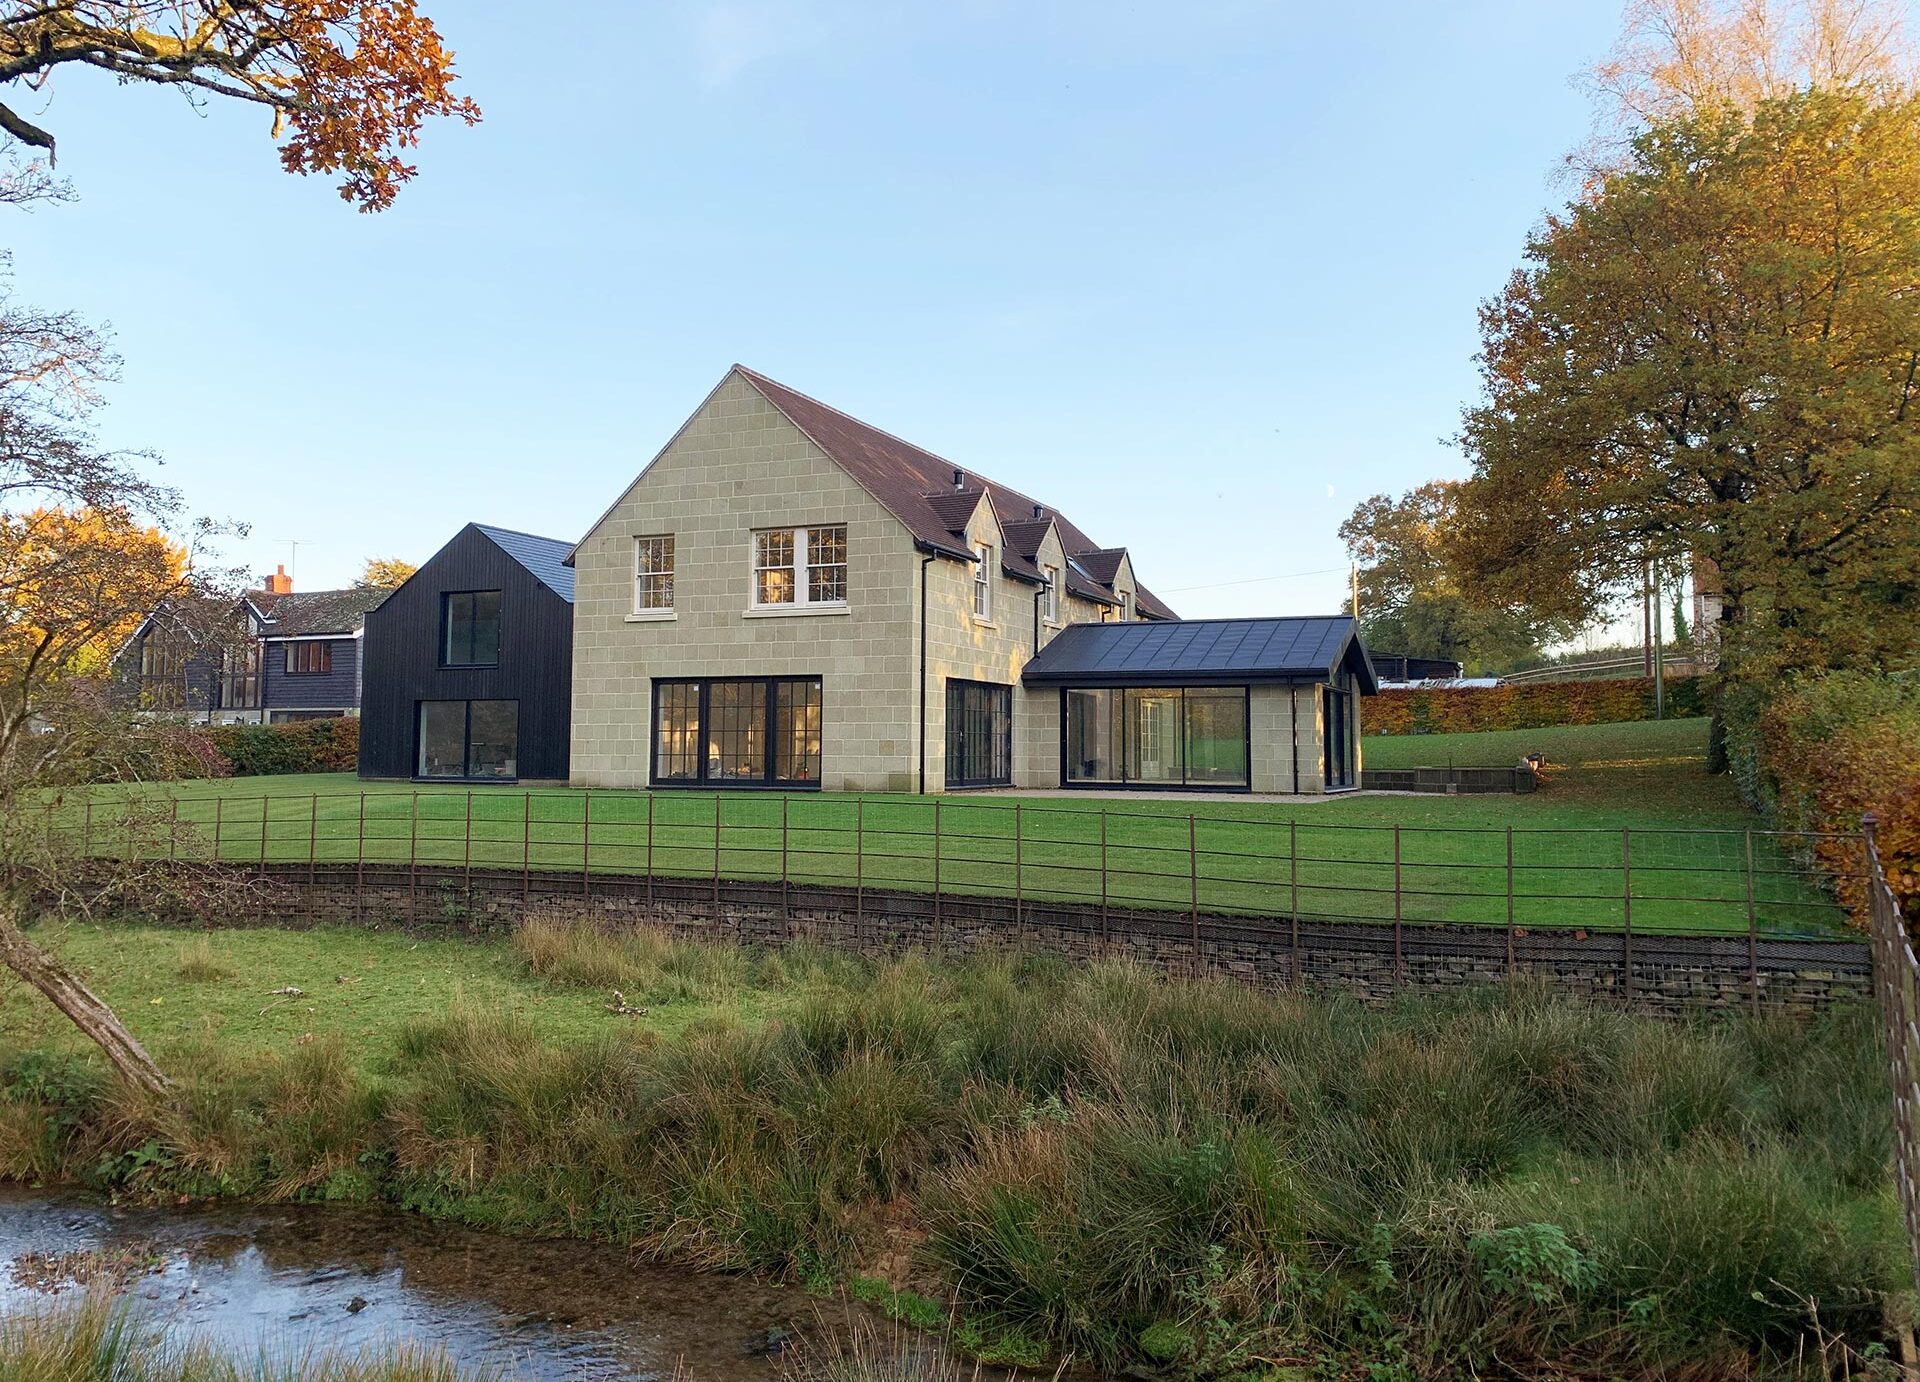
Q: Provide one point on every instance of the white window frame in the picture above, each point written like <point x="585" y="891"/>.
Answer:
<point x="802" y="536"/>
<point x="1126" y="606"/>
<point x="641" y="609"/>
<point x="983" y="582"/>
<point x="1050" y="605"/>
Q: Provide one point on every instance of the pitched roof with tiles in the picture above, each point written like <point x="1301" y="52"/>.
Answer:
<point x="309" y="613"/>
<point x="1201" y="651"/>
<point x="924" y="491"/>
<point x="544" y="557"/>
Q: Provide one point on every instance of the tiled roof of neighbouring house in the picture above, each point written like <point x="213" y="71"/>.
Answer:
<point x="544" y="557"/>
<point x="932" y="495"/>
<point x="304" y="613"/>
<point x="1195" y="651"/>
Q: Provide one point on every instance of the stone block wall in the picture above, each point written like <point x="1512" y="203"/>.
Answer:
<point x="1654" y="973"/>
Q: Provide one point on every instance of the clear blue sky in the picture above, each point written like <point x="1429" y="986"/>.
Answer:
<point x="1204" y="275"/>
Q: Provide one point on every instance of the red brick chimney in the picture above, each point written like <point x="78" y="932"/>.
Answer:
<point x="279" y="583"/>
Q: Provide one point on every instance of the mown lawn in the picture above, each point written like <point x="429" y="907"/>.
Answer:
<point x="1422" y="858"/>
<point x="181" y="991"/>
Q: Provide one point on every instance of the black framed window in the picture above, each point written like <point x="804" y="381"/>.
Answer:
<point x="737" y="732"/>
<point x="470" y="740"/>
<point x="309" y="658"/>
<point x="470" y="628"/>
<point x="1155" y="736"/>
<point x="1337" y="740"/>
<point x="979" y="734"/>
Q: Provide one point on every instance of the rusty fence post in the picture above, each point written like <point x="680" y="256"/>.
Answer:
<point x="1019" y="889"/>
<point x="786" y="902"/>
<point x="1753" y="931"/>
<point x="586" y="844"/>
<point x="173" y="831"/>
<point x="1509" y="902"/>
<point x="1626" y="909"/>
<point x="265" y="811"/>
<point x="859" y="869"/>
<point x="360" y="864"/>
<point x="1399" y="960"/>
<point x="1106" y="921"/>
<point x="1193" y="888"/>
<point x="649" y="849"/>
<point x="466" y="858"/>
<point x="313" y="835"/>
<point x="219" y="803"/>
<point x="1293" y="895"/>
<point x="86" y="828"/>
<point x="526" y="849"/>
<point x="936" y="876"/>
<point x="716" y="858"/>
<point x="413" y="856"/>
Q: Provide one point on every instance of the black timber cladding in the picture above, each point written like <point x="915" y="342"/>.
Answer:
<point x="1198" y="652"/>
<point x="535" y="667"/>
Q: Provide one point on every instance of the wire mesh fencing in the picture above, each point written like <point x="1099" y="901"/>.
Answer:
<point x="1896" y="986"/>
<point x="1221" y="862"/>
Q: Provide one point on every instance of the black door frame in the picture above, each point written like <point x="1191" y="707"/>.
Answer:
<point x="767" y="781"/>
<point x="1006" y="690"/>
<point x="466" y="736"/>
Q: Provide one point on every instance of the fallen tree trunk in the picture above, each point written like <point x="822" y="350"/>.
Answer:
<point x="86" y="1011"/>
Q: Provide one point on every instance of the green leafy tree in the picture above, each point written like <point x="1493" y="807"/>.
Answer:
<point x="1412" y="604"/>
<point x="1714" y="354"/>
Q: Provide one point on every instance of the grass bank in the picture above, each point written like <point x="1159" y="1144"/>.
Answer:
<point x="1080" y="1158"/>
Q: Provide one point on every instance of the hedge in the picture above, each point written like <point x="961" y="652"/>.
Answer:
<point x="1535" y="705"/>
<point x="1818" y="754"/>
<point x="305" y="746"/>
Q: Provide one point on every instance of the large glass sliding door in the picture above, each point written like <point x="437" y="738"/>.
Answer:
<point x="979" y="734"/>
<point x="737" y="732"/>
<point x="469" y="740"/>
<point x="1170" y="736"/>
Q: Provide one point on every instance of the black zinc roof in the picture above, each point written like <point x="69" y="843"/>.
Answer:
<point x="545" y="557"/>
<point x="1190" y="652"/>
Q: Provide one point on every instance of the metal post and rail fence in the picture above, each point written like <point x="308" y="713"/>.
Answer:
<point x="1896" y="987"/>
<point x="1029" y="869"/>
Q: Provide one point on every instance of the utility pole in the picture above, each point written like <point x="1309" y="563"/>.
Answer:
<point x="1353" y="581"/>
<point x="1646" y="618"/>
<point x="1659" y="653"/>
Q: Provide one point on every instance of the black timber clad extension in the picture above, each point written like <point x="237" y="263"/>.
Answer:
<point x="535" y="666"/>
<point x="1202" y="652"/>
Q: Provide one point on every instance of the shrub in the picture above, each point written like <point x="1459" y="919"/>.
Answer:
<point x="1821" y="753"/>
<point x="1535" y="705"/>
<point x="305" y="746"/>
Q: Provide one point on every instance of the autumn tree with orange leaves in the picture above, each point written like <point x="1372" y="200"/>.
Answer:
<point x="348" y="83"/>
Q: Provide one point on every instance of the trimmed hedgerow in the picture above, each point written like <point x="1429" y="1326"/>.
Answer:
<point x="1454" y="710"/>
<point x="305" y="746"/>
<point x="1818" y="754"/>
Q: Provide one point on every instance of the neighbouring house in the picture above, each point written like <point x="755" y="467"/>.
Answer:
<point x="787" y="597"/>
<point x="280" y="656"/>
<point x="468" y="665"/>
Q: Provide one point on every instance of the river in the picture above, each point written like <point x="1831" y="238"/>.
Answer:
<point x="312" y="1277"/>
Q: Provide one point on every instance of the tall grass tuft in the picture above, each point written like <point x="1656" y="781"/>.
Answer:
<point x="200" y="963"/>
<point x="97" y="1340"/>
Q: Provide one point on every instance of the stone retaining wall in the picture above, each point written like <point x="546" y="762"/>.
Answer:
<point x="1662" y="973"/>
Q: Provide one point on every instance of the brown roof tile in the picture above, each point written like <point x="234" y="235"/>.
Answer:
<point x="907" y="480"/>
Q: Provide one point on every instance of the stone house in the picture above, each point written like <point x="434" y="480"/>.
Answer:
<point x="787" y="597"/>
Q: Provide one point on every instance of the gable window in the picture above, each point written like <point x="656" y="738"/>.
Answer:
<point x="982" y="580"/>
<point x="470" y="628"/>
<point x="653" y="573"/>
<point x="800" y="566"/>
<point x="309" y="657"/>
<point x="1050" y="594"/>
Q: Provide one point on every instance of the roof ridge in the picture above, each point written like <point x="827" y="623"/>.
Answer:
<point x="522" y="532"/>
<point x="754" y="374"/>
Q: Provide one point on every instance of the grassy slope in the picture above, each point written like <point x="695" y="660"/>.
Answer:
<point x="359" y="986"/>
<point x="1567" y="848"/>
<point x="1087" y="1154"/>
